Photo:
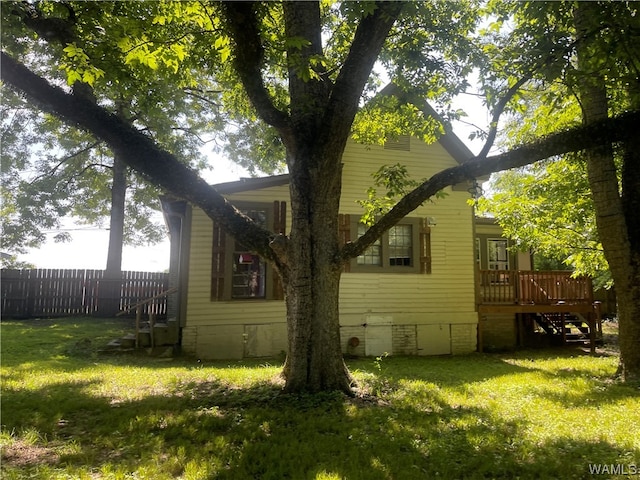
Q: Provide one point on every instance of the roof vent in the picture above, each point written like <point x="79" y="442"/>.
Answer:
<point x="401" y="142"/>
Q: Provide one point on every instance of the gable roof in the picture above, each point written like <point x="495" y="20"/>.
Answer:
<point x="449" y="141"/>
<point x="253" y="183"/>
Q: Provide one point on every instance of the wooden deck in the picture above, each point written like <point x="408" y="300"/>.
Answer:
<point x="558" y="301"/>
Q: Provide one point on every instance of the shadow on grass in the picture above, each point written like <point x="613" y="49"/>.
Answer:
<point x="204" y="427"/>
<point x="457" y="373"/>
<point x="71" y="344"/>
<point x="225" y="432"/>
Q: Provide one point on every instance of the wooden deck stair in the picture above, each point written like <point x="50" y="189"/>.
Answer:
<point x="572" y="328"/>
<point x="560" y="305"/>
<point x="150" y="334"/>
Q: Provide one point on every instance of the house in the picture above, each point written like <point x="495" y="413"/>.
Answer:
<point x="412" y="293"/>
<point x="518" y="306"/>
<point x="494" y="251"/>
<point x="440" y="282"/>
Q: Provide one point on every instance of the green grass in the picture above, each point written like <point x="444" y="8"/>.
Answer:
<point x="69" y="412"/>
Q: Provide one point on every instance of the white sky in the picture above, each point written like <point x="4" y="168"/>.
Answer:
<point x="88" y="249"/>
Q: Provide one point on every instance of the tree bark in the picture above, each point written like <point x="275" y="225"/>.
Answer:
<point x="116" y="219"/>
<point x="110" y="285"/>
<point x="629" y="300"/>
<point x="314" y="360"/>
<point x="616" y="213"/>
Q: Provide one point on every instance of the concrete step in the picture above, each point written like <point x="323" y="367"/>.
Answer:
<point x="129" y="340"/>
<point x="113" y="344"/>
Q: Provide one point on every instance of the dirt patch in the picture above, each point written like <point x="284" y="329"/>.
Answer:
<point x="21" y="454"/>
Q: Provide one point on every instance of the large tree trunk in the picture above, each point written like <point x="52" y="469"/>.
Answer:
<point x="312" y="282"/>
<point x="116" y="220"/>
<point x="314" y="361"/>
<point x="629" y="301"/>
<point x="110" y="285"/>
<point x="615" y="213"/>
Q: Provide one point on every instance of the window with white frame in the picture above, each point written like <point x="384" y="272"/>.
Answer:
<point x="497" y="254"/>
<point x="373" y="254"/>
<point x="396" y="251"/>
<point x="401" y="246"/>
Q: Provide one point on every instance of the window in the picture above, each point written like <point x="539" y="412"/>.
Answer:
<point x="373" y="254"/>
<point x="236" y="272"/>
<point x="249" y="270"/>
<point x="403" y="249"/>
<point x="497" y="254"/>
<point x="400" y="246"/>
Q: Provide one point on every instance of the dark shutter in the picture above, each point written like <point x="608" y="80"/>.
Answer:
<point x="425" y="246"/>
<point x="218" y="263"/>
<point x="344" y="234"/>
<point x="279" y="227"/>
<point x="279" y="217"/>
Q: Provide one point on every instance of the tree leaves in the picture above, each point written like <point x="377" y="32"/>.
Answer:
<point x="77" y="66"/>
<point x="137" y="57"/>
<point x="548" y="207"/>
<point x="396" y="182"/>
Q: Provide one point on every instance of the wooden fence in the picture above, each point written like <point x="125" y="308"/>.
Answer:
<point x="56" y="293"/>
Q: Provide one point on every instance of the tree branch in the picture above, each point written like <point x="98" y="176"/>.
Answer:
<point x="81" y="172"/>
<point x="599" y="133"/>
<point x="497" y="112"/>
<point x="139" y="152"/>
<point x="365" y="48"/>
<point x="68" y="157"/>
<point x="242" y="23"/>
<point x="199" y="94"/>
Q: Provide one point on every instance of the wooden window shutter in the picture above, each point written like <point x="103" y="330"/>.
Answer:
<point x="279" y="217"/>
<point x="344" y="234"/>
<point x="425" y="246"/>
<point x="279" y="227"/>
<point x="218" y="263"/>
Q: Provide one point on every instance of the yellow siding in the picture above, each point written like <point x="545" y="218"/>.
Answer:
<point x="494" y="230"/>
<point x="217" y="329"/>
<point x="443" y="300"/>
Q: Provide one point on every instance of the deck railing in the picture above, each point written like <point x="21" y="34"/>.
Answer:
<point x="532" y="287"/>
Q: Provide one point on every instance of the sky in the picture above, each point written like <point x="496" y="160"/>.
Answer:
<point x="88" y="248"/>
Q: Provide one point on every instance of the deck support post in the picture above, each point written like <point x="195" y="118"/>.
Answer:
<point x="520" y="327"/>
<point x="138" y="318"/>
<point x="592" y="334"/>
<point x="480" y="346"/>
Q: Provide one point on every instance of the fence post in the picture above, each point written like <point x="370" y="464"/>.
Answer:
<point x="32" y="282"/>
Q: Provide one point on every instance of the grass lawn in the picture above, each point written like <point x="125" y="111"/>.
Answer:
<point x="70" y="413"/>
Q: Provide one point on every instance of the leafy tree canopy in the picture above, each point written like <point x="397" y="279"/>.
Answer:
<point x="305" y="70"/>
<point x="165" y="67"/>
<point x="51" y="170"/>
<point x="548" y="206"/>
